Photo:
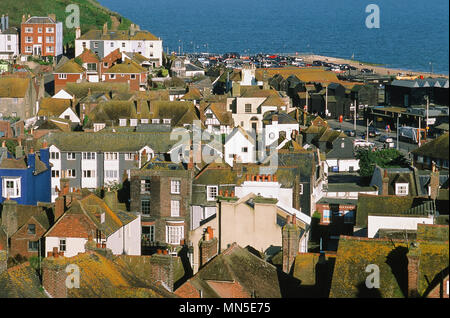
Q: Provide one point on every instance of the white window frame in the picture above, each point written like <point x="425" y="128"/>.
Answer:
<point x="49" y="30"/>
<point x="71" y="156"/>
<point x="111" y="174"/>
<point x="85" y="174"/>
<point x="60" y="245"/>
<point x="144" y="121"/>
<point x="28" y="30"/>
<point x="122" y="122"/>
<point x="398" y="190"/>
<point x="129" y="156"/>
<point x="174" y="208"/>
<point x="16" y="191"/>
<point x="144" y="183"/>
<point x="155" y="121"/>
<point x="88" y="155"/>
<point x="111" y="156"/>
<point x="71" y="173"/>
<point x="175" y="186"/>
<point x="300" y="191"/>
<point x="133" y="122"/>
<point x="54" y="155"/>
<point x="142" y="205"/>
<point x="62" y="76"/>
<point x="167" y="120"/>
<point x="174" y="234"/>
<point x="209" y="197"/>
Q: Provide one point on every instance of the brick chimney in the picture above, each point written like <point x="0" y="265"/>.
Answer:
<point x="111" y="199"/>
<point x="434" y="182"/>
<point x="60" y="206"/>
<point x="54" y="277"/>
<point x="413" y="270"/>
<point x="162" y="269"/>
<point x="208" y="246"/>
<point x="290" y="243"/>
<point x="385" y="181"/>
<point x="9" y="217"/>
<point x="236" y="90"/>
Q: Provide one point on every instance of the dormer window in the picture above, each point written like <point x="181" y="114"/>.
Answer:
<point x="401" y="189"/>
<point x="122" y="122"/>
<point x="133" y="122"/>
<point x="166" y="121"/>
<point x="155" y="121"/>
<point x="144" y="121"/>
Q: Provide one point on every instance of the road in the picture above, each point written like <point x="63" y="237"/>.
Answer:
<point x="404" y="147"/>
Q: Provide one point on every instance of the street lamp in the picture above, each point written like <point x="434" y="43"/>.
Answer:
<point x="398" y="116"/>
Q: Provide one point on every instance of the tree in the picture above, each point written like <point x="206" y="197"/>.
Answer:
<point x="384" y="158"/>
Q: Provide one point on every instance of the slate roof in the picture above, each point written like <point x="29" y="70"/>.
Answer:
<point x="283" y="118"/>
<point x="40" y="20"/>
<point x="104" y="142"/>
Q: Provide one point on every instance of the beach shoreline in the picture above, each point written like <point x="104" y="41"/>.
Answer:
<point x="379" y="69"/>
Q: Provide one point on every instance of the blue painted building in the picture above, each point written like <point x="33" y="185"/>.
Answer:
<point x="26" y="178"/>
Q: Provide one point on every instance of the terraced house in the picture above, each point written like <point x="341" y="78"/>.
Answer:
<point x="103" y="42"/>
<point x="94" y="160"/>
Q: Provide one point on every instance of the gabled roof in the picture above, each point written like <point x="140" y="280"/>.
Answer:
<point x="40" y="20"/>
<point x="50" y="107"/>
<point x="21" y="281"/>
<point x="221" y="113"/>
<point x="354" y="254"/>
<point x="192" y="94"/>
<point x="437" y="148"/>
<point x="88" y="56"/>
<point x="127" y="67"/>
<point x="71" y="67"/>
<point x="241" y="130"/>
<point x="249" y="275"/>
<point x="303" y="74"/>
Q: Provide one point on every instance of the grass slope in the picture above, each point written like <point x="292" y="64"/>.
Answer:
<point x="93" y="15"/>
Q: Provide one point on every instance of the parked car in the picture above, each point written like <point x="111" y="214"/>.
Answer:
<point x="384" y="138"/>
<point x="350" y="133"/>
<point x="360" y="143"/>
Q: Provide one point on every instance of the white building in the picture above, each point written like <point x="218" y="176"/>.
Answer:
<point x="9" y="40"/>
<point x="277" y="123"/>
<point x="240" y="146"/>
<point x="103" y="42"/>
<point x="92" y="217"/>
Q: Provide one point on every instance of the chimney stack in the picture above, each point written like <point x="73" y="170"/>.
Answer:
<point x="77" y="33"/>
<point x="9" y="217"/>
<point x="434" y="182"/>
<point x="52" y="16"/>
<point x="208" y="246"/>
<point x="290" y="243"/>
<point x="413" y="270"/>
<point x="105" y="28"/>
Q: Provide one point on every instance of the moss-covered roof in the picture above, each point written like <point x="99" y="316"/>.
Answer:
<point x="304" y="74"/>
<point x="118" y="35"/>
<point x="13" y="87"/>
<point x="355" y="254"/>
<point x="104" y="142"/>
<point x="50" y="107"/>
<point x="70" y="67"/>
<point x="432" y="232"/>
<point x="389" y="205"/>
<point x="21" y="281"/>
<point x="127" y="67"/>
<point x="437" y="148"/>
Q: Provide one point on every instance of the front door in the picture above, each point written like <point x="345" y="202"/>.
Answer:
<point x="37" y="50"/>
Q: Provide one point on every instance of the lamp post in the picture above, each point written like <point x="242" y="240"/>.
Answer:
<point x="398" y="124"/>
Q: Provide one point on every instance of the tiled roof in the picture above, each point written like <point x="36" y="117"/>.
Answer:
<point x="13" y="87"/>
<point x="106" y="278"/>
<point x="118" y="35"/>
<point x="21" y="281"/>
<point x="192" y="94"/>
<point x="235" y="273"/>
<point x="53" y="107"/>
<point x="304" y="74"/>
<point x="88" y="56"/>
<point x="354" y="254"/>
<point x="71" y="67"/>
<point x="127" y="67"/>
<point x="391" y="206"/>
<point x="437" y="148"/>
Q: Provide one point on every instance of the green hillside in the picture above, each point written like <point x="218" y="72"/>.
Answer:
<point x="93" y="15"/>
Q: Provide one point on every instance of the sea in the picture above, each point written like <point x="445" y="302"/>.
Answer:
<point x="404" y="34"/>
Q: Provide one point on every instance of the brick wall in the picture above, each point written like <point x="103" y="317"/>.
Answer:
<point x="413" y="275"/>
<point x="290" y="245"/>
<point x="54" y="279"/>
<point x="208" y="249"/>
<point x="19" y="241"/>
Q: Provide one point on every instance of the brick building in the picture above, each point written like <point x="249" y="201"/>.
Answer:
<point x="41" y="36"/>
<point x="161" y="193"/>
<point x="70" y="72"/>
<point x="127" y="72"/>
